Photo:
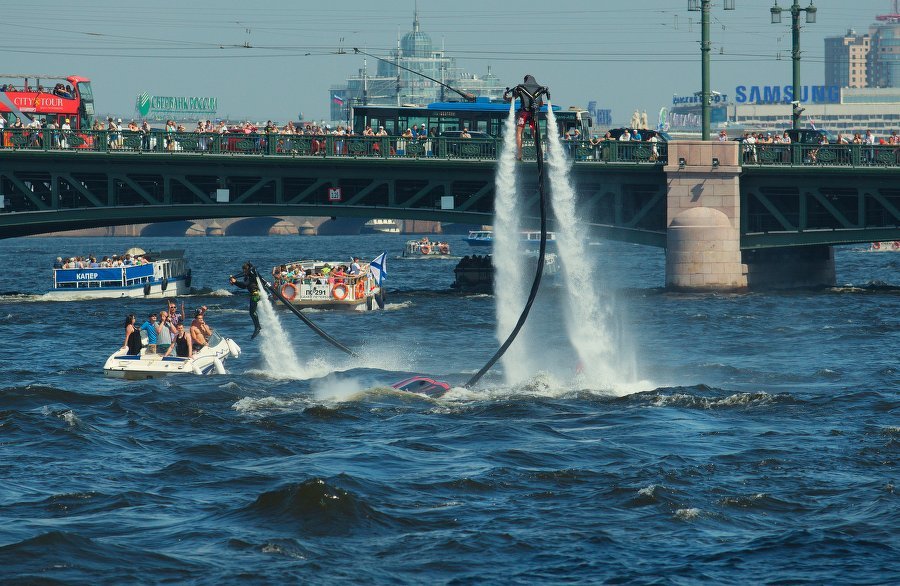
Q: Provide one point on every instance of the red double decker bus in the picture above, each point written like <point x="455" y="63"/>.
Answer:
<point x="47" y="98"/>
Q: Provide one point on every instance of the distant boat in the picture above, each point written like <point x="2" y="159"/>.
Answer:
<point x="476" y="273"/>
<point x="426" y="249"/>
<point x="529" y="239"/>
<point x="886" y="246"/>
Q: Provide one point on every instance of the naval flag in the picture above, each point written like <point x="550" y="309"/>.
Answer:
<point x="378" y="268"/>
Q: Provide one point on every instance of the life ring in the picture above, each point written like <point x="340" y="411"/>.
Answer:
<point x="895" y="245"/>
<point x="360" y="289"/>
<point x="876" y="245"/>
<point x="289" y="291"/>
<point x="339" y="292"/>
<point x="444" y="248"/>
<point x="425" y="249"/>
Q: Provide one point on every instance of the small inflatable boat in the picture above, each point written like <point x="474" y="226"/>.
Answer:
<point x="423" y="386"/>
<point x="208" y="360"/>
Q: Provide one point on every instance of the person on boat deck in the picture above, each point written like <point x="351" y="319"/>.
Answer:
<point x="175" y="317"/>
<point x="149" y="326"/>
<point x="181" y="344"/>
<point x="132" y="337"/>
<point x="59" y="263"/>
<point x="354" y="266"/>
<point x="200" y="330"/>
<point x="164" y="332"/>
<point x="249" y="283"/>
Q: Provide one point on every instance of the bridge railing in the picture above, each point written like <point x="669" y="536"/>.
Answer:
<point x="276" y="144"/>
<point x="812" y="155"/>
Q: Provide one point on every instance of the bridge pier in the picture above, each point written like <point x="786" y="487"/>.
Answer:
<point x="703" y="234"/>
<point x="703" y="207"/>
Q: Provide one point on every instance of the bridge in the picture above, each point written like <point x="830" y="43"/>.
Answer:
<point x="768" y="203"/>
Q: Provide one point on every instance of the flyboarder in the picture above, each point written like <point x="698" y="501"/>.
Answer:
<point x="529" y="93"/>
<point x="248" y="282"/>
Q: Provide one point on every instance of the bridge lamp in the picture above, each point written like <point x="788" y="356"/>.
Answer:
<point x="795" y="10"/>
<point x="703" y="6"/>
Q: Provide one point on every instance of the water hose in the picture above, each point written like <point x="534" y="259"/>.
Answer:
<point x="539" y="271"/>
<point x="277" y="294"/>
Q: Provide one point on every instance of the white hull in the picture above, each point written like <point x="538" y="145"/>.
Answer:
<point x="209" y="360"/>
<point x="887" y="246"/>
<point x="175" y="288"/>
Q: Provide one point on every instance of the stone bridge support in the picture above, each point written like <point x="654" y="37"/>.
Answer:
<point x="703" y="234"/>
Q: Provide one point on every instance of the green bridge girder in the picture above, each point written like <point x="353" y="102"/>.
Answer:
<point x="781" y="205"/>
<point x="50" y="191"/>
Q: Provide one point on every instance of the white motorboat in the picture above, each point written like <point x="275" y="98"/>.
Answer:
<point x="208" y="360"/>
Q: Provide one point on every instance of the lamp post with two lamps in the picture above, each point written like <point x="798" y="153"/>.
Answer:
<point x="703" y="7"/>
<point x="795" y="49"/>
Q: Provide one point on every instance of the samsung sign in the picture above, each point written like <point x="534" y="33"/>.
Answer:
<point x="778" y="94"/>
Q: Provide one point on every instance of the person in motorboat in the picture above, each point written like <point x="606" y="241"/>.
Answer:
<point x="200" y="330"/>
<point x="248" y="282"/>
<point x="149" y="326"/>
<point x="181" y="344"/>
<point x="164" y="332"/>
<point x="133" y="342"/>
<point x="175" y="317"/>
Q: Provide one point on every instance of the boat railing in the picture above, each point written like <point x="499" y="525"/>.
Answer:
<point x="326" y="288"/>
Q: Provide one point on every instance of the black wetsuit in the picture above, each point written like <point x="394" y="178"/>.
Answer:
<point x="134" y="342"/>
<point x="250" y="285"/>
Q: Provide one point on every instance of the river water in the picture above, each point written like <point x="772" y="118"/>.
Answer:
<point x="757" y="441"/>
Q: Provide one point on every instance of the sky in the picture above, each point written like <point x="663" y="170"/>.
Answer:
<point x="274" y="59"/>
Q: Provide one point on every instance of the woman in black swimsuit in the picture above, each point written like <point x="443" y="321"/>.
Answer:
<point x="132" y="337"/>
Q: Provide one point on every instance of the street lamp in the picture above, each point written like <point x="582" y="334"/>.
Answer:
<point x="795" y="9"/>
<point x="705" y="97"/>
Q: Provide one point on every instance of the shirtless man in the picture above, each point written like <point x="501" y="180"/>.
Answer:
<point x="200" y="331"/>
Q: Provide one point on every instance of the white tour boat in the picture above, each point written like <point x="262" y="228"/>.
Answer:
<point x="887" y="246"/>
<point x="528" y="239"/>
<point x="166" y="275"/>
<point x="318" y="284"/>
<point x="208" y="360"/>
<point x="426" y="249"/>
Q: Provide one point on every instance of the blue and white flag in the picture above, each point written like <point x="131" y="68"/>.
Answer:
<point x="378" y="268"/>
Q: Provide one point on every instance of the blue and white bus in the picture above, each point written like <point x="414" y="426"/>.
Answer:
<point x="482" y="117"/>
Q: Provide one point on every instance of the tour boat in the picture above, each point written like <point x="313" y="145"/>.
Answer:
<point x="527" y="239"/>
<point x="426" y="249"/>
<point x="208" y="360"/>
<point x="325" y="290"/>
<point x="166" y="275"/>
<point x="480" y="237"/>
<point x="888" y="246"/>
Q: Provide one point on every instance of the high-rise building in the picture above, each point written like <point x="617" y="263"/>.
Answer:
<point x="884" y="54"/>
<point x="390" y="84"/>
<point x="845" y="60"/>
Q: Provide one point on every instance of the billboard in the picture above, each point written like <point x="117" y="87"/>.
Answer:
<point x="150" y="106"/>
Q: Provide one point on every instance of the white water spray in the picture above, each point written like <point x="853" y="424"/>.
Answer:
<point x="590" y="318"/>
<point x="509" y="279"/>
<point x="277" y="351"/>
